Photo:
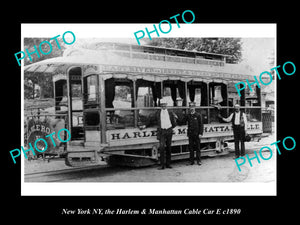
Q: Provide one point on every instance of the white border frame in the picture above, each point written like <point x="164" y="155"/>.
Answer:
<point x="144" y="188"/>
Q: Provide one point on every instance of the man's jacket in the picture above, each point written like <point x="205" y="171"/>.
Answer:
<point x="195" y="124"/>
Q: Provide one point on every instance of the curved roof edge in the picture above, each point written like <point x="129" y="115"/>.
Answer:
<point x="80" y="56"/>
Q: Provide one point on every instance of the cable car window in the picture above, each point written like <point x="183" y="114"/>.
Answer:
<point x="123" y="97"/>
<point x="91" y="88"/>
<point x="118" y="95"/>
<point x="144" y="97"/>
<point x="252" y="99"/>
<point x="147" y="95"/>
<point x="197" y="92"/>
<point x="61" y="99"/>
<point x="76" y="97"/>
<point x="174" y="91"/>
<point x="196" y="98"/>
<point x="233" y="96"/>
<point x="217" y="99"/>
<point x="218" y="94"/>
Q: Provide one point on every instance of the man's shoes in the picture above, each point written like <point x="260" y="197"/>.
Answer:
<point x="170" y="167"/>
<point x="199" y="163"/>
<point x="190" y="163"/>
<point x="161" y="168"/>
<point x="236" y="157"/>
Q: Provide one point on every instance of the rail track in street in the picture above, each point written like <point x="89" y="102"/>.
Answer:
<point x="65" y="174"/>
<point x="76" y="173"/>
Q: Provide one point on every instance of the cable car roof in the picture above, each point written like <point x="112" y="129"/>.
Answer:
<point x="139" y="63"/>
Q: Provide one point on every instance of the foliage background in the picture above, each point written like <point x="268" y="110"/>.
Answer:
<point x="31" y="81"/>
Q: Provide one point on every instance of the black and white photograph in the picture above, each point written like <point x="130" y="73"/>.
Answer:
<point x="105" y="110"/>
<point x="149" y="112"/>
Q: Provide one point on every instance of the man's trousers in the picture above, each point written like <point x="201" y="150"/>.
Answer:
<point x="165" y="141"/>
<point x="239" y="137"/>
<point x="194" y="145"/>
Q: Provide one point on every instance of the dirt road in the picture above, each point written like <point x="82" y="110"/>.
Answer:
<point x="217" y="169"/>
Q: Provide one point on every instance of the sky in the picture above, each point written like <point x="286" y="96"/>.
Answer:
<point x="256" y="52"/>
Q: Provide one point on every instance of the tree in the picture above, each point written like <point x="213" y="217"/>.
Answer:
<point x="227" y="46"/>
<point x="44" y="81"/>
<point x="32" y="43"/>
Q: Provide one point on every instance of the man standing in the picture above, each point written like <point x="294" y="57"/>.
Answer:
<point x="239" y="125"/>
<point x="166" y="123"/>
<point x="194" y="132"/>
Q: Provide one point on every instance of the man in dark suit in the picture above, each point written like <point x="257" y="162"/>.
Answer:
<point x="166" y="123"/>
<point x="239" y="126"/>
<point x="194" y="132"/>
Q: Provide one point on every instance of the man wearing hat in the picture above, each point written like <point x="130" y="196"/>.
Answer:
<point x="166" y="123"/>
<point x="239" y="126"/>
<point x="195" y="130"/>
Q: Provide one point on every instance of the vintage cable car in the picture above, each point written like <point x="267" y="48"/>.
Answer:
<point x="111" y="91"/>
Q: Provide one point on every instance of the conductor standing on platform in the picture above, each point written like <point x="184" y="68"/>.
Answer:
<point x="195" y="131"/>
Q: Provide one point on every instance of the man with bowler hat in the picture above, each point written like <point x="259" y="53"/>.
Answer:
<point x="194" y="132"/>
<point x="166" y="122"/>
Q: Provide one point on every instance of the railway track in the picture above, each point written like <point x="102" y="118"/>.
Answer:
<point x="63" y="175"/>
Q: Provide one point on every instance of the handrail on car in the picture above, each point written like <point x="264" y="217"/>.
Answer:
<point x="181" y="107"/>
<point x="47" y="115"/>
